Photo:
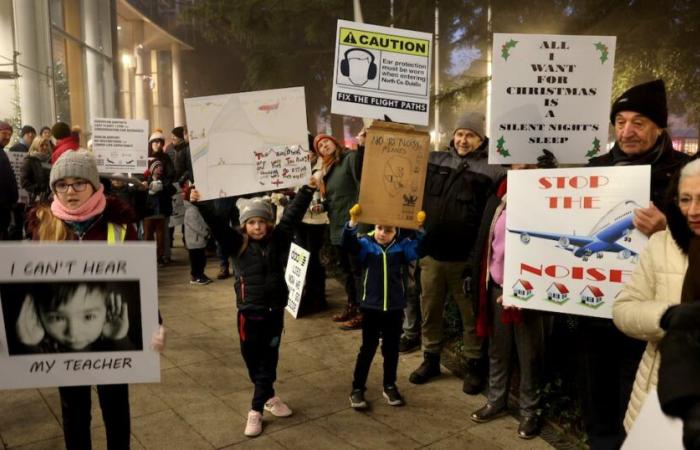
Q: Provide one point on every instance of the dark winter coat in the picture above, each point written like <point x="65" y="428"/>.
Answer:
<point x="20" y="147"/>
<point x="342" y="190"/>
<point x="183" y="163"/>
<point x="116" y="212"/>
<point x="8" y="183"/>
<point x="34" y="178"/>
<point x="161" y="202"/>
<point x="456" y="190"/>
<point x="382" y="268"/>
<point x="259" y="265"/>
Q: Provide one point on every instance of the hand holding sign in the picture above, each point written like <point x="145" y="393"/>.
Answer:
<point x="158" y="340"/>
<point x="649" y="220"/>
<point x="28" y="326"/>
<point x="355" y="212"/>
<point x="117" y="320"/>
<point x="420" y="218"/>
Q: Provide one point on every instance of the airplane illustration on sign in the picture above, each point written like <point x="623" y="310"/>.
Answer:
<point x="616" y="224"/>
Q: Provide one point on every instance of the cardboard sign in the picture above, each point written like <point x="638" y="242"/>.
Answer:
<point x="295" y="275"/>
<point x="17" y="161"/>
<point x="570" y="241"/>
<point x="550" y="92"/>
<point x="382" y="71"/>
<point x="393" y="174"/>
<point x="654" y="430"/>
<point x="77" y="314"/>
<point x="248" y="142"/>
<point x="120" y="145"/>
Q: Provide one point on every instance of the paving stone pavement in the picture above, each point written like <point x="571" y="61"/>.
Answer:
<point x="204" y="394"/>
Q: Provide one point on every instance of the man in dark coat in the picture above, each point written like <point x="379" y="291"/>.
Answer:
<point x="458" y="183"/>
<point x="27" y="135"/>
<point x="609" y="358"/>
<point x="8" y="182"/>
<point x="183" y="160"/>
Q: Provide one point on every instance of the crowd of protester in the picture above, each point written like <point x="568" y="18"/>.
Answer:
<point x="459" y="251"/>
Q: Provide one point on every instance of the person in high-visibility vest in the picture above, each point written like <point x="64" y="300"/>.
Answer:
<point x="81" y="212"/>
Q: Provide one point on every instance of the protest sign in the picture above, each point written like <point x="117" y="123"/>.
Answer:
<point x="77" y="314"/>
<point x="248" y="142"/>
<point x="295" y="275"/>
<point x="382" y="71"/>
<point x="393" y="174"/>
<point x="120" y="145"/>
<point x="654" y="430"/>
<point x="17" y="160"/>
<point x="550" y="92"/>
<point x="570" y="241"/>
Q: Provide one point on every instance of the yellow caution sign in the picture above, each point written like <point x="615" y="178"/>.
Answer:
<point x="381" y="41"/>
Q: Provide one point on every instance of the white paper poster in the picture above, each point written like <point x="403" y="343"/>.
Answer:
<point x="295" y="275"/>
<point x="550" y="92"/>
<point x="120" y="145"/>
<point x="570" y="241"/>
<point x="382" y="71"/>
<point x="77" y="314"/>
<point x="17" y="161"/>
<point x="248" y="142"/>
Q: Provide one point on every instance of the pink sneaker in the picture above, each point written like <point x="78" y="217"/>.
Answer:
<point x="254" y="425"/>
<point x="277" y="407"/>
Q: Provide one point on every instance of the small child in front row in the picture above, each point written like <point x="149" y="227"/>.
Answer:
<point x="259" y="252"/>
<point x="197" y="235"/>
<point x="383" y="256"/>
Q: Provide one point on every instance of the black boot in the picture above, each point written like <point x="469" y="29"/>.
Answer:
<point x="430" y="368"/>
<point x="474" y="376"/>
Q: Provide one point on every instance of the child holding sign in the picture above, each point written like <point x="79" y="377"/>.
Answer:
<point x="260" y="252"/>
<point x="383" y="257"/>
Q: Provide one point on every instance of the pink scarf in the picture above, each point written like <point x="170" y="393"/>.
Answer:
<point x="92" y="207"/>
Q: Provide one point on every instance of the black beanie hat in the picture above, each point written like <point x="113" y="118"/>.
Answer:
<point x="179" y="132"/>
<point x="648" y="99"/>
<point x="60" y="130"/>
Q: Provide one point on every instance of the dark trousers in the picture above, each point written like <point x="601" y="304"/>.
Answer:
<point x="75" y="408"/>
<point x="198" y="261"/>
<point x="352" y="272"/>
<point x="260" y="334"/>
<point x="376" y="324"/>
<point x="609" y="362"/>
<point x="527" y="339"/>
<point x="311" y="237"/>
<point x="154" y="229"/>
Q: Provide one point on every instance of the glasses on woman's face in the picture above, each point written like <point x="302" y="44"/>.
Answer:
<point x="78" y="186"/>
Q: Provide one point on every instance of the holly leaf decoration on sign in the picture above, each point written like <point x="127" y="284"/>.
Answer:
<point x="505" y="48"/>
<point x="500" y="147"/>
<point x="603" y="49"/>
<point x="595" y="150"/>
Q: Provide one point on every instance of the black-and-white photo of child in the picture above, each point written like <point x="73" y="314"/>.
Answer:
<point x="73" y="316"/>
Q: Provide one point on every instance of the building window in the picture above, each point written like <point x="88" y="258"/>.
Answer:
<point x="69" y="80"/>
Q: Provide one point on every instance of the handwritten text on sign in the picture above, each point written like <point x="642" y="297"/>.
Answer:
<point x="276" y="166"/>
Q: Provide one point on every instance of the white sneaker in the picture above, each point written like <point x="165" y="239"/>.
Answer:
<point x="254" y="425"/>
<point x="277" y="407"/>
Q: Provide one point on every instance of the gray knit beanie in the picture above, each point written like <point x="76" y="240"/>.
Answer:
<point x="472" y="121"/>
<point x="76" y="164"/>
<point x="254" y="207"/>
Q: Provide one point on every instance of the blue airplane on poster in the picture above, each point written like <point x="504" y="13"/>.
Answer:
<point x="616" y="224"/>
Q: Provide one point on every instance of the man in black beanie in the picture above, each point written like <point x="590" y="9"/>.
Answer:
<point x="609" y="359"/>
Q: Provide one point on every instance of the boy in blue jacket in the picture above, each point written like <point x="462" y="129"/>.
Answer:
<point x="383" y="257"/>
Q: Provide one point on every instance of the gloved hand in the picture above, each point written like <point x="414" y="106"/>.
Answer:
<point x="691" y="427"/>
<point x="547" y="160"/>
<point x="155" y="187"/>
<point x="28" y="326"/>
<point x="420" y="218"/>
<point x="158" y="339"/>
<point x="355" y="212"/>
<point x="117" y="321"/>
<point x="685" y="316"/>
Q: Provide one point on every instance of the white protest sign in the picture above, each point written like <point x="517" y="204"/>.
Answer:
<point x="382" y="71"/>
<point x="550" y="92"/>
<point x="77" y="314"/>
<point x="570" y="241"/>
<point x="120" y="145"/>
<point x="17" y="161"/>
<point x="248" y="142"/>
<point x="295" y="275"/>
<point x="654" y="430"/>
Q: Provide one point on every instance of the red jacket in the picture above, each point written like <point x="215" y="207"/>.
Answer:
<point x="69" y="143"/>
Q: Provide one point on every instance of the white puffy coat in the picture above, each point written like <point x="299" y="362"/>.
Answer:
<point x="655" y="285"/>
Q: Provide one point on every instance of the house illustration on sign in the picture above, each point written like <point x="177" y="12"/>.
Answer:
<point x="592" y="296"/>
<point x="557" y="293"/>
<point x="522" y="289"/>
